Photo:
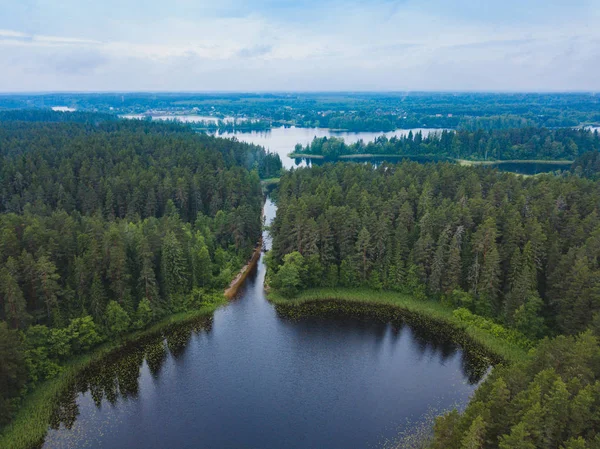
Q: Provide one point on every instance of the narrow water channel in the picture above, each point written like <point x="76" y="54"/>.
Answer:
<point x="252" y="379"/>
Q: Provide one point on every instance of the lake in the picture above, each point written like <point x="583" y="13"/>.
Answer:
<point x="250" y="378"/>
<point x="283" y="140"/>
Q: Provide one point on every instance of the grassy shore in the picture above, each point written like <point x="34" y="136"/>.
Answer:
<point x="434" y="158"/>
<point x="239" y="280"/>
<point x="413" y="311"/>
<point x="306" y="155"/>
<point x="28" y="428"/>
<point x="468" y="162"/>
<point x="268" y="185"/>
<point x="269" y="182"/>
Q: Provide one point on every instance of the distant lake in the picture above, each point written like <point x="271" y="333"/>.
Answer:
<point x="283" y="140"/>
<point x="63" y="109"/>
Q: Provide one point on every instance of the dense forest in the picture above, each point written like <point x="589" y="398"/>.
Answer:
<point x="348" y="111"/>
<point x="107" y="226"/>
<point x="520" y="250"/>
<point x="587" y="165"/>
<point x="523" y="252"/>
<point x="548" y="401"/>
<point x="511" y="144"/>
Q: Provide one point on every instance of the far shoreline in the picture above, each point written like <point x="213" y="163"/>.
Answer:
<point x="434" y="158"/>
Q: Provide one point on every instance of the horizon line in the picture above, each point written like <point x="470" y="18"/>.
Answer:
<point x="281" y="92"/>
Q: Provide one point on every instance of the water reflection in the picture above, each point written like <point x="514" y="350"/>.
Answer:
<point x="429" y="341"/>
<point x="283" y="140"/>
<point x="259" y="378"/>
<point x="117" y="377"/>
<point x="522" y="168"/>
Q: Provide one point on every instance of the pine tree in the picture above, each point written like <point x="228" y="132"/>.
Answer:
<point x="147" y="278"/>
<point x="577" y="294"/>
<point x="523" y="285"/>
<point x="201" y="262"/>
<point x="47" y="281"/>
<point x="439" y="262"/>
<point x="583" y="418"/>
<point x="13" y="371"/>
<point x="15" y="308"/>
<point x="349" y="273"/>
<point x="97" y="301"/>
<point x="517" y="439"/>
<point x="485" y="270"/>
<point x="452" y="279"/>
<point x="173" y="267"/>
<point x="489" y="282"/>
<point x="109" y="205"/>
<point x="423" y="256"/>
<point x="117" y="271"/>
<point x="475" y="437"/>
<point x="497" y="403"/>
<point x="528" y="317"/>
<point x="363" y="250"/>
<point x="325" y="241"/>
<point x="556" y="413"/>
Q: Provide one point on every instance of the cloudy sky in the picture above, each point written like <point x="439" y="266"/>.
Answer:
<point x="285" y="45"/>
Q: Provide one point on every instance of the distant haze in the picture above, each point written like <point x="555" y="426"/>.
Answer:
<point x="236" y="45"/>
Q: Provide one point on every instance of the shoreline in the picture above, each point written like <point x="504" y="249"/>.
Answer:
<point x="434" y="158"/>
<point x="240" y="279"/>
<point x="412" y="311"/>
<point x="468" y="162"/>
<point x="29" y="426"/>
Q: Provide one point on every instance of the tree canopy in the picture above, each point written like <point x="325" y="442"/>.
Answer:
<point x="107" y="226"/>
<point x="499" y="144"/>
<point x="516" y="255"/>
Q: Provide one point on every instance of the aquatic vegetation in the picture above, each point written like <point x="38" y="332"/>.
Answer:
<point x="389" y="306"/>
<point x="52" y="403"/>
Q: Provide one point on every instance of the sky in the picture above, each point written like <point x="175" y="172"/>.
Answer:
<point x="302" y="45"/>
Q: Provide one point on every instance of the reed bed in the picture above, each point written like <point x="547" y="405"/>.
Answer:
<point x="28" y="428"/>
<point x="393" y="305"/>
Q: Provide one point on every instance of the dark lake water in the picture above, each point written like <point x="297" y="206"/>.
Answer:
<point x="249" y="378"/>
<point x="530" y="168"/>
<point x="522" y="168"/>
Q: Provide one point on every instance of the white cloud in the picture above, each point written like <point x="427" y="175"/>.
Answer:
<point x="338" y="46"/>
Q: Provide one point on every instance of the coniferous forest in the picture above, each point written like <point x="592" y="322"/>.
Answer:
<point x="110" y="226"/>
<point x="106" y="226"/>
<point x="520" y="252"/>
<point x="496" y="144"/>
<point x="300" y="224"/>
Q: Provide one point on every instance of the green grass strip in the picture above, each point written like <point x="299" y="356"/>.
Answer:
<point x="28" y="428"/>
<point x="415" y="311"/>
